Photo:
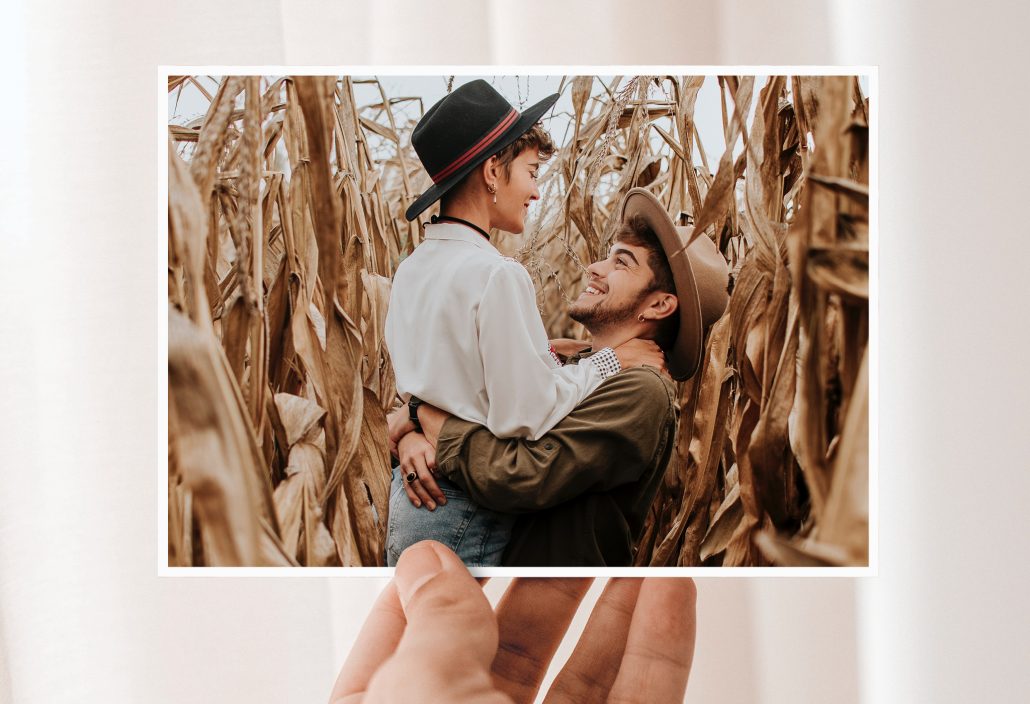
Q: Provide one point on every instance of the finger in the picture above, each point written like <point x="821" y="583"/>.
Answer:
<point x="431" y="463"/>
<point x="423" y="495"/>
<point x="412" y="496"/>
<point x="533" y="616"/>
<point x="660" y="643"/>
<point x="419" y="467"/>
<point x="377" y="641"/>
<point x="429" y="484"/>
<point x="590" y="672"/>
<point x="446" y="650"/>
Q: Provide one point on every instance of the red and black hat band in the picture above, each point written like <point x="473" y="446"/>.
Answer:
<point x="477" y="148"/>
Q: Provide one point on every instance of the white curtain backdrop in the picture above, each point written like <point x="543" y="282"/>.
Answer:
<point x="83" y="616"/>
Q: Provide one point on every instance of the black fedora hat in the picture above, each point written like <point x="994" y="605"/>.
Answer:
<point x="464" y="129"/>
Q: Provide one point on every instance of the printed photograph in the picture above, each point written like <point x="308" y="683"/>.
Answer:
<point x="549" y="321"/>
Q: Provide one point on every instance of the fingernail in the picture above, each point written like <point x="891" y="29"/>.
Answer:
<point x="416" y="566"/>
<point x="443" y="500"/>
<point x="418" y="504"/>
<point x="431" y="505"/>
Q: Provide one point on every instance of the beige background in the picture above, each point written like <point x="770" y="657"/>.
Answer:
<point x="83" y="617"/>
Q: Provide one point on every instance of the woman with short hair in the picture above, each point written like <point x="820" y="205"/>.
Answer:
<point x="463" y="329"/>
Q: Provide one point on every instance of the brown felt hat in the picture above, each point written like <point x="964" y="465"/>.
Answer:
<point x="699" y="272"/>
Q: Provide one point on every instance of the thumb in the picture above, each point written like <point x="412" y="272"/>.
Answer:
<point x="443" y="602"/>
<point x="451" y="633"/>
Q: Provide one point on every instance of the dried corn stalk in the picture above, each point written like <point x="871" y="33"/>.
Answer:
<point x="286" y="223"/>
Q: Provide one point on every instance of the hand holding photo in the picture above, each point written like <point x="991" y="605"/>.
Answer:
<point x="432" y="635"/>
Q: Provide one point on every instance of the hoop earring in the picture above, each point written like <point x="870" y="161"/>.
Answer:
<point x="640" y="317"/>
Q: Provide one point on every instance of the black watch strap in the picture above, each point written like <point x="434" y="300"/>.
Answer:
<point x="413" y="405"/>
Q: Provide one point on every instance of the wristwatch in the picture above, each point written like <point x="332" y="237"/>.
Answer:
<point x="413" y="405"/>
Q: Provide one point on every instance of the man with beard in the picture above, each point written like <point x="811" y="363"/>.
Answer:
<point x="583" y="490"/>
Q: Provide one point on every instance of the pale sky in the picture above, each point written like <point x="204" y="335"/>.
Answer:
<point x="521" y="91"/>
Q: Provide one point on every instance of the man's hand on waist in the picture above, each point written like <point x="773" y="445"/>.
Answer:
<point x="398" y="425"/>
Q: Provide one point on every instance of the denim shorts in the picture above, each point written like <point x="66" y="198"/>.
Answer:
<point x="478" y="535"/>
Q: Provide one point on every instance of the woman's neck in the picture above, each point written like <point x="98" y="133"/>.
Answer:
<point x="477" y="214"/>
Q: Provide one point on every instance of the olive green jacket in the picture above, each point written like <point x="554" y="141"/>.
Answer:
<point x="583" y="489"/>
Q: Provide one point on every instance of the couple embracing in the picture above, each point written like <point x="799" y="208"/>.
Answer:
<point x="507" y="455"/>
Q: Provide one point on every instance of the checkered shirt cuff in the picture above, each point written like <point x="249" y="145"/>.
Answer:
<point x="555" y="357"/>
<point x="606" y="362"/>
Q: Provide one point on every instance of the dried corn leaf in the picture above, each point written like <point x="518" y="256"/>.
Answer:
<point x="286" y="224"/>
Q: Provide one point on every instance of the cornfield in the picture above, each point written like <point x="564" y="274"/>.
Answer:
<point x="285" y="225"/>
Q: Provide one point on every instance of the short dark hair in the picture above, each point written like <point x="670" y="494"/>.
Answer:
<point x="535" y="137"/>
<point x="636" y="231"/>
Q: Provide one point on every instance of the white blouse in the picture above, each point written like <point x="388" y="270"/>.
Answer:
<point x="465" y="335"/>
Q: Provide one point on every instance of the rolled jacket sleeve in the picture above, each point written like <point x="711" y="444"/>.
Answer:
<point x="527" y="394"/>
<point x="608" y="440"/>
